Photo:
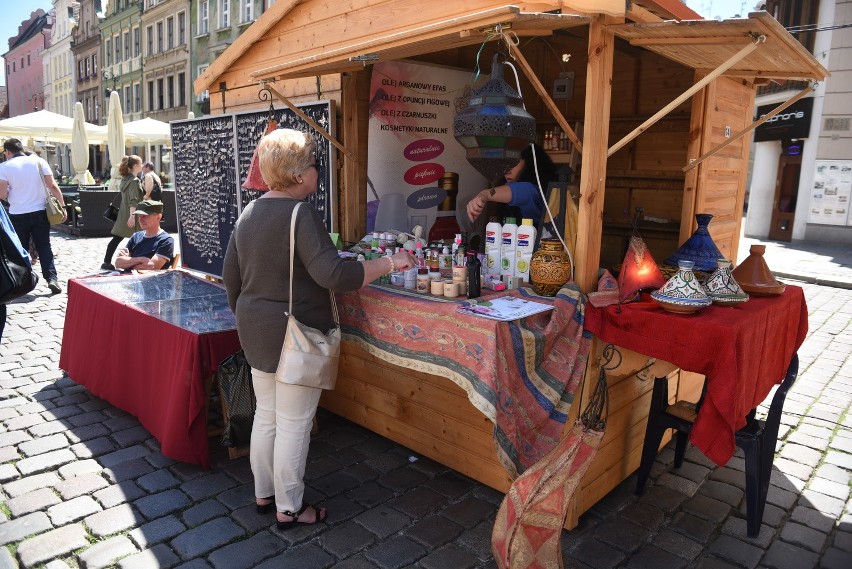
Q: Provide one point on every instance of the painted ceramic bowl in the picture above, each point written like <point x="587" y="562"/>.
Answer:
<point x="682" y="293"/>
<point x="721" y="286"/>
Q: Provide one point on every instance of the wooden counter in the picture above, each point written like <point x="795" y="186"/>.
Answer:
<point x="433" y="417"/>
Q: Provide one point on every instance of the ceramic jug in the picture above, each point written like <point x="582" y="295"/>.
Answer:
<point x="550" y="267"/>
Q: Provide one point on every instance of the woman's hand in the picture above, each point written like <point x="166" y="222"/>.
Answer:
<point x="476" y="206"/>
<point x="131" y="222"/>
<point x="402" y="260"/>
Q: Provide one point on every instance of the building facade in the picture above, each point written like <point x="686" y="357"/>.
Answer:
<point x="165" y="63"/>
<point x="86" y="47"/>
<point x="802" y="167"/>
<point x="24" y="64"/>
<point x="121" y="55"/>
<point x="59" y="61"/>
<point x="215" y="25"/>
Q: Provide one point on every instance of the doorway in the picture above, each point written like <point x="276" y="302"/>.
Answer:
<point x="786" y="193"/>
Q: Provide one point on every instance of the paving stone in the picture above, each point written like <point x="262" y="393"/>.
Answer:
<point x="307" y="556"/>
<point x="45" y="461"/>
<point x="597" y="554"/>
<point x="72" y="510"/>
<point x="843" y="539"/>
<point x="157" y="505"/>
<point x="7" y="561"/>
<point x="651" y="557"/>
<point x="729" y="476"/>
<point x="52" y="544"/>
<point x="8" y="472"/>
<point x="123" y="455"/>
<point x="158" y="480"/>
<point x="784" y="499"/>
<point x="335" y="483"/>
<point x="42" y="445"/>
<point x="383" y="521"/>
<point x="401" y="479"/>
<point x="247" y="553"/>
<point x="206" y="510"/>
<point x="707" y="508"/>
<point x="470" y="511"/>
<point x="93" y="447"/>
<point x="803" y="536"/>
<point x="355" y="562"/>
<point x="157" y="531"/>
<point x="448" y="556"/>
<point x="128" y="470"/>
<point x="159" y="556"/>
<point x="341" y="508"/>
<point x="830" y="488"/>
<point x="840" y="459"/>
<point x="450" y="484"/>
<point x="736" y="551"/>
<point x="134" y="435"/>
<point x="82" y="419"/>
<point x="83" y="484"/>
<point x="834" y="558"/>
<point x="30" y="483"/>
<point x="663" y="498"/>
<point x="398" y="551"/>
<point x="206" y="537"/>
<point x="13" y="438"/>
<point x="79" y="467"/>
<point x="738" y="528"/>
<point x="419" y="502"/>
<point x="643" y="515"/>
<point x="207" y="486"/>
<point x="812" y="518"/>
<point x="433" y="531"/>
<point x="370" y="494"/>
<point x="113" y="520"/>
<point x="731" y="495"/>
<point x="346" y="539"/>
<point x="677" y="544"/>
<point x="120" y="493"/>
<point x="104" y="553"/>
<point x="32" y="502"/>
<point x="621" y="534"/>
<point x="87" y="433"/>
<point x="826" y="504"/>
<point x="677" y="483"/>
<point x="783" y="555"/>
<point x="692" y="526"/>
<point x="834" y="473"/>
<point x="19" y="528"/>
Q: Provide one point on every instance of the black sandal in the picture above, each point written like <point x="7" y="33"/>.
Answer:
<point x="265" y="508"/>
<point x="320" y="513"/>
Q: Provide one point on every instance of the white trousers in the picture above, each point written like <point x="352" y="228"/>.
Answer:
<point x="280" y="436"/>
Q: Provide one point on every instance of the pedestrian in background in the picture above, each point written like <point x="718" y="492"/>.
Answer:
<point x="23" y="181"/>
<point x="151" y="183"/>
<point x="132" y="193"/>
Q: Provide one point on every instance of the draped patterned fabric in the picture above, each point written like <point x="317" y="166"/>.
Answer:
<point x="522" y="375"/>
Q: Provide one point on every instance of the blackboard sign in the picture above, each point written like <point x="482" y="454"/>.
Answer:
<point x="211" y="158"/>
<point x="205" y="190"/>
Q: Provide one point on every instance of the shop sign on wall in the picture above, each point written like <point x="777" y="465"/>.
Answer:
<point x="831" y="192"/>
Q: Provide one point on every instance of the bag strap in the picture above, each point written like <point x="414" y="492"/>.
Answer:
<point x="41" y="177"/>
<point x="292" y="256"/>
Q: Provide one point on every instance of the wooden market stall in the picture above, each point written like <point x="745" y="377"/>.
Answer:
<point x="657" y="92"/>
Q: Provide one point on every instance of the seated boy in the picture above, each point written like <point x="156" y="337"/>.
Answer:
<point x="149" y="249"/>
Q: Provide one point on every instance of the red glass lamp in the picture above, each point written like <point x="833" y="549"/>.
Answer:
<point x="638" y="271"/>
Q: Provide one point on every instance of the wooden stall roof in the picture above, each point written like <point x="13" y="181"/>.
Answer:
<point x="300" y="38"/>
<point x="705" y="44"/>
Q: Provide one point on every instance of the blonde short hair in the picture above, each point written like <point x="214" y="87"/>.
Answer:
<point x="283" y="155"/>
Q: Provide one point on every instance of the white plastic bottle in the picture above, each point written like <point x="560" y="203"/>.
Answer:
<point x="526" y="242"/>
<point x="493" y="240"/>
<point x="508" y="247"/>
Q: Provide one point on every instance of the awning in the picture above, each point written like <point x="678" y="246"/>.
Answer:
<point x="468" y="29"/>
<point x="705" y="44"/>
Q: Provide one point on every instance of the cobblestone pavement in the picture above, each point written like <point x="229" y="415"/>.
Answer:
<point x="84" y="485"/>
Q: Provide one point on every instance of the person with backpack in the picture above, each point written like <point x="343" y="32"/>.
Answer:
<point x="151" y="183"/>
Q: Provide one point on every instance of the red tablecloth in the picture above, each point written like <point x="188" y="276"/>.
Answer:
<point x="742" y="351"/>
<point x="145" y="366"/>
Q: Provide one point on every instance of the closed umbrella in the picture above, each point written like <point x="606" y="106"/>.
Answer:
<point x="115" y="138"/>
<point x="80" y="147"/>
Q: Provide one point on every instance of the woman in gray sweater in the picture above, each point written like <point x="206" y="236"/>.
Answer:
<point x="256" y="275"/>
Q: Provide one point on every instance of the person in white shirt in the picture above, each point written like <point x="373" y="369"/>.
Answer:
<point x="23" y="180"/>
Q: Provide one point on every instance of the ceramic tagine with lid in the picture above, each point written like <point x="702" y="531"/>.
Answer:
<point x="682" y="293"/>
<point x="699" y="248"/>
<point x="754" y="275"/>
<point x="721" y="286"/>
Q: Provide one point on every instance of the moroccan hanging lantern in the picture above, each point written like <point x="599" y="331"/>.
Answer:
<point x="495" y="126"/>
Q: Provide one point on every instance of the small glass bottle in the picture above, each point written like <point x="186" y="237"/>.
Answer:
<point x="474" y="280"/>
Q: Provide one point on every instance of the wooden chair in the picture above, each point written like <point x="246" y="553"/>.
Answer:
<point x="175" y="261"/>
<point x="757" y="439"/>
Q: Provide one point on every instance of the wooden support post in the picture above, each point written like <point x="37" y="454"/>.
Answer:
<point x="595" y="138"/>
<point x="545" y="96"/>
<point x="354" y="98"/>
<point x="733" y="60"/>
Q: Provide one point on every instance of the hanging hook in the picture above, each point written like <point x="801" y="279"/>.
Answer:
<point x="265" y="94"/>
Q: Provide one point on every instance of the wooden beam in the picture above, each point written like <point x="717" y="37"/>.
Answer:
<point x="245" y="40"/>
<point x="595" y="134"/>
<point x="806" y="91"/>
<point x="712" y="40"/>
<point x="640" y="15"/>
<point x="545" y="96"/>
<point x="686" y="95"/>
<point x="301" y="114"/>
<point x="355" y="98"/>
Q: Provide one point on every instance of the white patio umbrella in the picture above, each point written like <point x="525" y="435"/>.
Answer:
<point x="47" y="127"/>
<point x="115" y="138"/>
<point x="150" y="130"/>
<point x="80" y="147"/>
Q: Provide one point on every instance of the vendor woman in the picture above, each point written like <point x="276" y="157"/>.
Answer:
<point x="521" y="191"/>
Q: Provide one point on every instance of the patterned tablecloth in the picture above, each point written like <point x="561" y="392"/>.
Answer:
<point x="522" y="375"/>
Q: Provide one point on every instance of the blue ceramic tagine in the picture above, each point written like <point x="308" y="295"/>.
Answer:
<point x="699" y="248"/>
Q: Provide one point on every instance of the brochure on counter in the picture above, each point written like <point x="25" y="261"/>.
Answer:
<point x="504" y="308"/>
